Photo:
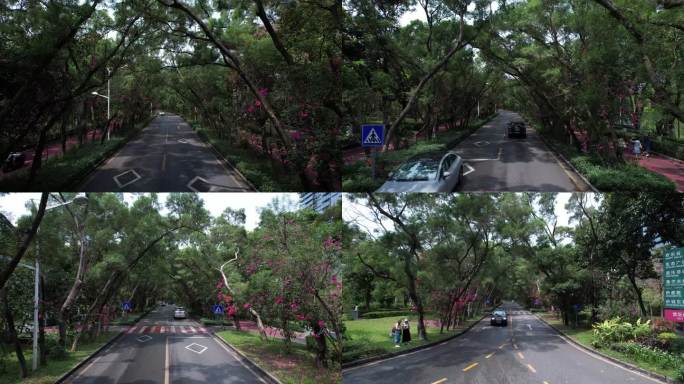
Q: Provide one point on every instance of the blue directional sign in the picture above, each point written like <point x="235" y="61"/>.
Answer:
<point x="372" y="135"/>
<point x="126" y="306"/>
<point x="217" y="309"/>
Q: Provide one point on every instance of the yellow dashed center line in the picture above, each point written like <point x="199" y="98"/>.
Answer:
<point x="531" y="368"/>
<point x="520" y="355"/>
<point x="490" y="355"/>
<point x="442" y="380"/>
<point x="471" y="366"/>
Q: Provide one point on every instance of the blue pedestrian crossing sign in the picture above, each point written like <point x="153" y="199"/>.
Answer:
<point x="217" y="309"/>
<point x="126" y="306"/>
<point x="372" y="135"/>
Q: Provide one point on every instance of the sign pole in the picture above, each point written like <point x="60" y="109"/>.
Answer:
<point x="373" y="136"/>
<point x="374" y="159"/>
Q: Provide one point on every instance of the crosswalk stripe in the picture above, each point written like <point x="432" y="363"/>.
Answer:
<point x="156" y="330"/>
<point x="203" y="330"/>
<point x="183" y="330"/>
<point x="131" y="329"/>
<point x="142" y="329"/>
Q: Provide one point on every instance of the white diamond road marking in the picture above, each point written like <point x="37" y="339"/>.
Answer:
<point x="182" y="141"/>
<point x="144" y="338"/>
<point x="137" y="177"/>
<point x="190" y="187"/>
<point x="197" y="348"/>
<point x="481" y="143"/>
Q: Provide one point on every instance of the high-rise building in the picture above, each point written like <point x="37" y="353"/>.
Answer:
<point x="319" y="201"/>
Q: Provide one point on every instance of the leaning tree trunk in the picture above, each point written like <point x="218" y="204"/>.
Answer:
<point x="9" y="320"/>
<point x="260" y="324"/>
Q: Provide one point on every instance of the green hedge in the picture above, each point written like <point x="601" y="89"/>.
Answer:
<point x="650" y="355"/>
<point x="617" y="177"/>
<point x="210" y="322"/>
<point x="379" y="314"/>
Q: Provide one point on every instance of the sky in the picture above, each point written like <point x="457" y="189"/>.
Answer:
<point x="14" y="204"/>
<point x="361" y="215"/>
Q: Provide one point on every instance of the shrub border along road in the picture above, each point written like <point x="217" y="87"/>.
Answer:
<point x="385" y="356"/>
<point x="621" y="363"/>
<point x="567" y="162"/>
<point x="222" y="158"/>
<point x="244" y="359"/>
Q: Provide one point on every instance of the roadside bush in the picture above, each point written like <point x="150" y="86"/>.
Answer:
<point x="650" y="355"/>
<point x="379" y="314"/>
<point x="616" y="331"/>
<point x="667" y="339"/>
<point x="209" y="322"/>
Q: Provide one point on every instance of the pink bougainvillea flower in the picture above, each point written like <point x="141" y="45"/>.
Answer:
<point x="247" y="306"/>
<point x="219" y="284"/>
<point x="303" y="114"/>
<point x="300" y="317"/>
<point x="294" y="306"/>
<point x="334" y="279"/>
<point x="250" y="109"/>
<point x="257" y="103"/>
<point x="279" y="300"/>
<point x="263" y="92"/>
<point x="296" y="135"/>
<point x="321" y="323"/>
<point x="231" y="310"/>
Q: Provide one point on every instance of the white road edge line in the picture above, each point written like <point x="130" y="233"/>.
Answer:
<point x="167" y="364"/>
<point x="239" y="359"/>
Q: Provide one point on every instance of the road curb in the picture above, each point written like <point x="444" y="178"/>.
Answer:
<point x="621" y="363"/>
<point x="264" y="373"/>
<point x="567" y="162"/>
<point x="223" y="159"/>
<point x="372" y="359"/>
<point x="89" y="358"/>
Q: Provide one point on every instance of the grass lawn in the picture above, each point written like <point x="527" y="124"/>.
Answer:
<point x="298" y="366"/>
<point x="357" y="177"/>
<point x="584" y="337"/>
<point x="54" y="368"/>
<point x="370" y="337"/>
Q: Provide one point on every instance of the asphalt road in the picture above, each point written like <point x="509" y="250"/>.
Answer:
<point x="496" y="163"/>
<point x="161" y="350"/>
<point x="167" y="156"/>
<point x="526" y="351"/>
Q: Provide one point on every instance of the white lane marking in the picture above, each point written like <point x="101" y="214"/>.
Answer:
<point x="531" y="368"/>
<point x="529" y="326"/>
<point x="470" y="169"/>
<point x="94" y="360"/>
<point x="520" y="355"/>
<point x="197" y="348"/>
<point x="166" y="364"/>
<point x="239" y="359"/>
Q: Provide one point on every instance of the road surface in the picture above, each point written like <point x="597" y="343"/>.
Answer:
<point x="167" y="156"/>
<point x="161" y="350"/>
<point x="496" y="163"/>
<point x="527" y="351"/>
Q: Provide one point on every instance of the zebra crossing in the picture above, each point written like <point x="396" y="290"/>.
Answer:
<point x="171" y="329"/>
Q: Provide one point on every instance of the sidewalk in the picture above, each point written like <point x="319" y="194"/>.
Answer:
<point x="669" y="167"/>
<point x="55" y="149"/>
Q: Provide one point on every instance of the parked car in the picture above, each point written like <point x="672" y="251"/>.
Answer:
<point x="14" y="160"/>
<point x="516" y="129"/>
<point x="179" y="313"/>
<point x="499" y="318"/>
<point x="434" y="172"/>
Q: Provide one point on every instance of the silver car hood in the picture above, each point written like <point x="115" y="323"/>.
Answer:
<point x="410" y="186"/>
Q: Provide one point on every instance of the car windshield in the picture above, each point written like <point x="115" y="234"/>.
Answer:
<point x="499" y="313"/>
<point x="417" y="170"/>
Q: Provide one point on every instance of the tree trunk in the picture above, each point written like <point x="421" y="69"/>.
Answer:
<point x="638" y="292"/>
<point x="9" y="320"/>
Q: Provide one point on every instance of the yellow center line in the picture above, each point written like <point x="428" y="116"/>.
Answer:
<point x="442" y="380"/>
<point x="166" y="364"/>
<point x="531" y="368"/>
<point x="546" y="382"/>
<point x="490" y="355"/>
<point x="520" y="355"/>
<point x="471" y="366"/>
<point x="164" y="163"/>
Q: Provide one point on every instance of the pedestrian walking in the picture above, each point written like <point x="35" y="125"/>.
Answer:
<point x="647" y="145"/>
<point x="406" y="331"/>
<point x="621" y="145"/>
<point x="396" y="334"/>
<point x="636" y="147"/>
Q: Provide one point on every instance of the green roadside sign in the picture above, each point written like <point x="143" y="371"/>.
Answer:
<point x="673" y="273"/>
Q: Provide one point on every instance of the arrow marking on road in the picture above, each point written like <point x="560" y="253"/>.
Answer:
<point x="471" y="366"/>
<point x="440" y="381"/>
<point x="470" y="169"/>
<point x="198" y="349"/>
<point x="144" y="338"/>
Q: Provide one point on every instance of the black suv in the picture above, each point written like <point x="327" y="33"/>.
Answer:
<point x="499" y="318"/>
<point x="517" y="129"/>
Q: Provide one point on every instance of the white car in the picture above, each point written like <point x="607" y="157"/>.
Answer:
<point x="179" y="313"/>
<point x="435" y="172"/>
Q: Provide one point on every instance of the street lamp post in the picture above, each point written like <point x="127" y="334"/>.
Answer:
<point x="79" y="198"/>
<point x="106" y="97"/>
